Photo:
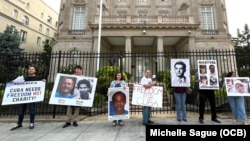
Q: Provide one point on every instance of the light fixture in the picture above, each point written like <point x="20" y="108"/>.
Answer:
<point x="144" y="27"/>
<point x="189" y="32"/>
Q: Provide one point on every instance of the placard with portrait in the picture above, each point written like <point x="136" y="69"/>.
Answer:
<point x="237" y="86"/>
<point x="118" y="103"/>
<point x="73" y="90"/>
<point x="180" y="73"/>
<point x="208" y="74"/>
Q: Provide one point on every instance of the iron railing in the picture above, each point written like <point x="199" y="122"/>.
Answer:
<point x="132" y="63"/>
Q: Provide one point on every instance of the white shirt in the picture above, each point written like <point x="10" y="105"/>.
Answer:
<point x="145" y="80"/>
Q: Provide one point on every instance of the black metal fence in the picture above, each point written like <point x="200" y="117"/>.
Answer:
<point x="132" y="65"/>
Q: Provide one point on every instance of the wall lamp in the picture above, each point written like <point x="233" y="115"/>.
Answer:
<point x="144" y="28"/>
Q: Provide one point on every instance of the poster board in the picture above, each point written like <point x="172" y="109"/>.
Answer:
<point x="64" y="94"/>
<point x="208" y="74"/>
<point x="118" y="103"/>
<point x="180" y="73"/>
<point x="237" y="86"/>
<point x="23" y="92"/>
<point x="151" y="97"/>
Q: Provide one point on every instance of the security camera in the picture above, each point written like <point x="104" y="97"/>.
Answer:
<point x="144" y="31"/>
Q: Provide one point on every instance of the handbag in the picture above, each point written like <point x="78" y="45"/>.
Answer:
<point x="188" y="90"/>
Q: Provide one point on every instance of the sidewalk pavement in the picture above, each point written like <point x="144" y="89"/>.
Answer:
<point x="95" y="128"/>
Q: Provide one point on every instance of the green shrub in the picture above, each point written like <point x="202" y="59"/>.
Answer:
<point x="99" y="100"/>
<point x="164" y="77"/>
<point x="128" y="75"/>
<point x="3" y="74"/>
<point x="244" y="72"/>
<point x="104" y="77"/>
<point x="69" y="69"/>
<point x="220" y="96"/>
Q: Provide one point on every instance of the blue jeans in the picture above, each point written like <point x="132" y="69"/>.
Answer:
<point x="237" y="105"/>
<point x="22" y="110"/>
<point x="146" y="112"/>
<point x="180" y="105"/>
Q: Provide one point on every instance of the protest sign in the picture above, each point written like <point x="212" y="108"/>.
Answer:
<point x="208" y="74"/>
<point x="118" y="106"/>
<point x="237" y="86"/>
<point x="151" y="97"/>
<point x="24" y="92"/>
<point x="73" y="90"/>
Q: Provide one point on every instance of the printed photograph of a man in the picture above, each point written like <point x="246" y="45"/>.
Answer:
<point x="180" y="72"/>
<point x="212" y="70"/>
<point x="65" y="87"/>
<point x="84" y="88"/>
<point x="203" y="69"/>
<point x="117" y="105"/>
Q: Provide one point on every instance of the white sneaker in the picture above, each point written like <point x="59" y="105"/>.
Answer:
<point x="31" y="125"/>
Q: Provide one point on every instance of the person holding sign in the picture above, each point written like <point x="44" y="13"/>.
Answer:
<point x="118" y="82"/>
<point x="147" y="83"/>
<point x="180" y="100"/>
<point x="237" y="103"/>
<point x="32" y="106"/>
<point x="70" y="117"/>
<point x="205" y="95"/>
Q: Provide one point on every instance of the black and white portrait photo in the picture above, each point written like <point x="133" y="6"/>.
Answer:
<point x="180" y="72"/>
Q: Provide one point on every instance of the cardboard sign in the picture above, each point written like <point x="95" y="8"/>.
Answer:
<point x="151" y="97"/>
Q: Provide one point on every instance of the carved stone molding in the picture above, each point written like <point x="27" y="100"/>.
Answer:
<point x="79" y="1"/>
<point x="207" y="1"/>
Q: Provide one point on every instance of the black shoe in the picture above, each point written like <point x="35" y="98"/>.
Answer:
<point x="216" y="120"/>
<point x="145" y="124"/>
<point x="185" y="120"/>
<point x="75" y="124"/>
<point x="201" y="120"/>
<point x="31" y="125"/>
<point x="66" y="124"/>
<point x="179" y="120"/>
<point x="150" y="122"/>
<point x="120" y="122"/>
<point x="17" y="126"/>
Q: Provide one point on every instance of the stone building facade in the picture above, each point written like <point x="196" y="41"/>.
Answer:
<point x="34" y="20"/>
<point x="132" y="26"/>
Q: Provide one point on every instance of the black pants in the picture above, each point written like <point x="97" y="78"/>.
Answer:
<point x="204" y="95"/>
<point x="22" y="110"/>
